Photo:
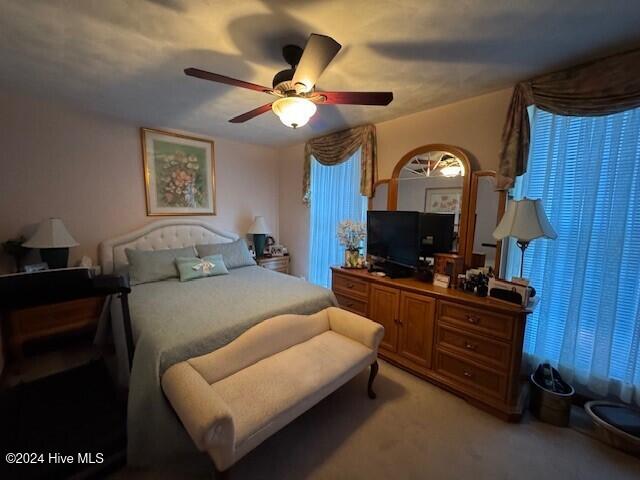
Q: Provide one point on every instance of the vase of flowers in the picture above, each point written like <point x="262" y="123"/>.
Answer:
<point x="351" y="235"/>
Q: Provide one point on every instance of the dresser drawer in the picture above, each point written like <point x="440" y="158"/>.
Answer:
<point x="279" y="264"/>
<point x="492" y="352"/>
<point x="470" y="374"/>
<point x="350" y="286"/>
<point x="478" y="321"/>
<point x="353" y="305"/>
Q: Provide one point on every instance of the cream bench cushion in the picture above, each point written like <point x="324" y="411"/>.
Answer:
<point x="234" y="398"/>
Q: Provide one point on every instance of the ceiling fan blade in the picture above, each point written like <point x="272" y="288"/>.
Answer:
<point x="317" y="55"/>
<point x="357" y="98"/>
<point x="214" y="77"/>
<point x="253" y="113"/>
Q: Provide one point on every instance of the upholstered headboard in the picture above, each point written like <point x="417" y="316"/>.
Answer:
<point x="159" y="235"/>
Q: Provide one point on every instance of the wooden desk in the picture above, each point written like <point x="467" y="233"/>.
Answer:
<point x="467" y="344"/>
<point x="65" y="298"/>
<point x="35" y="323"/>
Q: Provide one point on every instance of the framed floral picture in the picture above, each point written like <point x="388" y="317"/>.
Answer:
<point x="179" y="174"/>
<point x="442" y="200"/>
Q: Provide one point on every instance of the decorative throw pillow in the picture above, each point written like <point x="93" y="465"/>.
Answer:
<point x="235" y="254"/>
<point x="191" y="268"/>
<point x="154" y="265"/>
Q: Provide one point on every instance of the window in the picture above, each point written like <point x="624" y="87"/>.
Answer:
<point x="586" y="170"/>
<point x="335" y="196"/>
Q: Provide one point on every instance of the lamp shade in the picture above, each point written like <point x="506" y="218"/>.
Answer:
<point x="51" y="233"/>
<point x="259" y="227"/>
<point x="524" y="220"/>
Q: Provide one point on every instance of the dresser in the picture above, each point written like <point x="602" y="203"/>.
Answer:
<point x="469" y="345"/>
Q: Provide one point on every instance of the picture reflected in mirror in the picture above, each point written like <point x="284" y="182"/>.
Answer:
<point x="432" y="182"/>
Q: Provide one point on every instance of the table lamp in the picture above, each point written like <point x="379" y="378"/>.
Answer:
<point x="259" y="230"/>
<point x="53" y="240"/>
<point x="524" y="220"/>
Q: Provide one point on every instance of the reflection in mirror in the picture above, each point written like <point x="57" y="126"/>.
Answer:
<point x="435" y="179"/>
<point x="432" y="182"/>
<point x="380" y="196"/>
<point x="486" y="217"/>
<point x="487" y="207"/>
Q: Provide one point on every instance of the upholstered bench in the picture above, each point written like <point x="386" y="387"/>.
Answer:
<point x="234" y="398"/>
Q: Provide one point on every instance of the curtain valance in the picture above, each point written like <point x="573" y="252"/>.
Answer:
<point x="602" y="87"/>
<point x="336" y="148"/>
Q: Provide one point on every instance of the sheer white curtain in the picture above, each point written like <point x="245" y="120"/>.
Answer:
<point x="586" y="170"/>
<point x="335" y="196"/>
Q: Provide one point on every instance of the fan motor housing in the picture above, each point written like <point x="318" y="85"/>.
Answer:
<point x="292" y="54"/>
<point x="283" y="76"/>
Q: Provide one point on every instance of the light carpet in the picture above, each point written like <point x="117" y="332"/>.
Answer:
<point x="415" y="430"/>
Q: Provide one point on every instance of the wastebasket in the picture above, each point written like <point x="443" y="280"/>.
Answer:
<point x="550" y="404"/>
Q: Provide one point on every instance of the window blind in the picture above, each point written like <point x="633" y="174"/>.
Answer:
<point x="335" y="196"/>
<point x="586" y="170"/>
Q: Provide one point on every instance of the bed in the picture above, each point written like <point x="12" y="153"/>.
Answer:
<point x="172" y="321"/>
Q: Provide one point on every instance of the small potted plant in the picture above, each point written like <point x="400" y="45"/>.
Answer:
<point x="15" y="250"/>
<point x="351" y="235"/>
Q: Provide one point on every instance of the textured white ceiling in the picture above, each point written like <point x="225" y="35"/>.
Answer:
<point x="125" y="57"/>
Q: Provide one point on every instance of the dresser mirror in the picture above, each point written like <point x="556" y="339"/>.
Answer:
<point x="434" y="179"/>
<point x="380" y="198"/>
<point x="486" y="207"/>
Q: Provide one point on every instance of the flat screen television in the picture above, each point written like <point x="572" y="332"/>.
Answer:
<point x="394" y="236"/>
<point x="436" y="233"/>
<point x="402" y="237"/>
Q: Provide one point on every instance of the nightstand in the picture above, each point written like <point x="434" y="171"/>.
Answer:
<point x="279" y="264"/>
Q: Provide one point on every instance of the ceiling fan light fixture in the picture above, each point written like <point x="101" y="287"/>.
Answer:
<point x="452" y="171"/>
<point x="294" y="112"/>
<point x="450" y="166"/>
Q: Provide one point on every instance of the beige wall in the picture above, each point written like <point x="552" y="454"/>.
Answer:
<point x="475" y="125"/>
<point x="294" y="224"/>
<point x="86" y="169"/>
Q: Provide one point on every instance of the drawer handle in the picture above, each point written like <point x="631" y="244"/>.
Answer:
<point x="350" y="285"/>
<point x="397" y="321"/>
<point x="473" y="320"/>
<point x="468" y="374"/>
<point x="350" y="304"/>
<point x="470" y="346"/>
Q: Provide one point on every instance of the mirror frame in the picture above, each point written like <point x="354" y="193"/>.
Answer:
<point x="375" y="187"/>
<point x="392" y="203"/>
<point x="471" y="228"/>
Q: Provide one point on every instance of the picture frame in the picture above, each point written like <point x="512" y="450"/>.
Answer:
<point x="179" y="173"/>
<point x="36" y="267"/>
<point x="277" y="251"/>
<point x="443" y="200"/>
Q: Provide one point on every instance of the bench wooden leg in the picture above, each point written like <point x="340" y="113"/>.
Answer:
<point x="372" y="376"/>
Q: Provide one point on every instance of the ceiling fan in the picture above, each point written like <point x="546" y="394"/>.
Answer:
<point x="294" y="87"/>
